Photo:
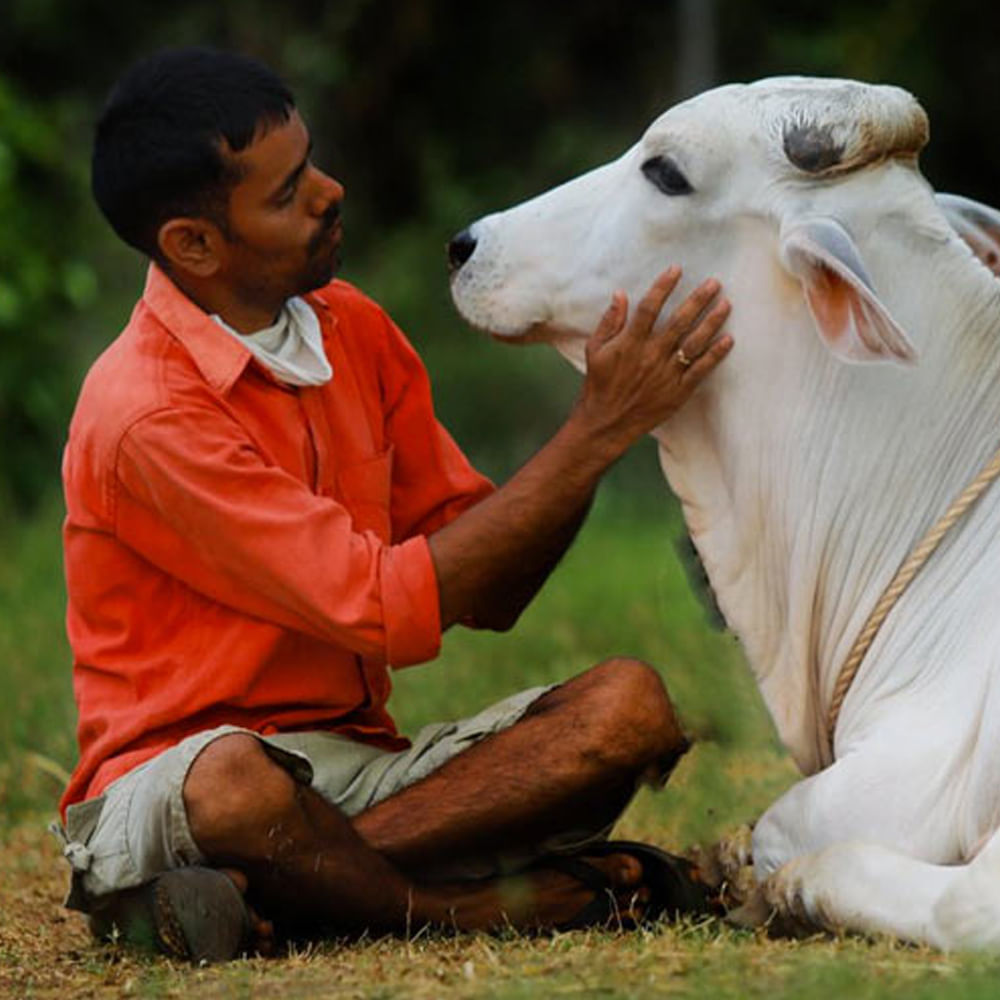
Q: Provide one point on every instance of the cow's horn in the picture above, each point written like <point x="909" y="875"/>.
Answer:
<point x="861" y="131"/>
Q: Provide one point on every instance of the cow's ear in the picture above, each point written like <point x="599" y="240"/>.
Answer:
<point x="977" y="224"/>
<point x="849" y="316"/>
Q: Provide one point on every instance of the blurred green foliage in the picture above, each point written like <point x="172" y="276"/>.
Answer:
<point x="45" y="280"/>
<point x="432" y="112"/>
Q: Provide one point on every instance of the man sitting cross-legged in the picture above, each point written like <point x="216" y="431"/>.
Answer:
<point x="263" y="514"/>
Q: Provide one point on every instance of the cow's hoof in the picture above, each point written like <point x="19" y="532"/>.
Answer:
<point x="727" y="867"/>
<point x="736" y="851"/>
<point x="761" y="911"/>
<point x="754" y="912"/>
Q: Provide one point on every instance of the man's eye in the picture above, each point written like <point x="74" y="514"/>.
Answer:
<point x="665" y="174"/>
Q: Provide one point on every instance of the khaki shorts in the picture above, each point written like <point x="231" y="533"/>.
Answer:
<point x="138" y="827"/>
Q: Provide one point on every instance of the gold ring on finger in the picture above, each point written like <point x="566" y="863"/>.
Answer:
<point x="682" y="359"/>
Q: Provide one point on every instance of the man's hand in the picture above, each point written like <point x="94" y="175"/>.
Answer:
<point x="638" y="376"/>
<point x="491" y="560"/>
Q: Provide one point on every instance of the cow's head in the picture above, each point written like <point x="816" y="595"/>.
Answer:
<point x="771" y="187"/>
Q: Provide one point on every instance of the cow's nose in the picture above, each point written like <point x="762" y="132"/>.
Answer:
<point x="460" y="249"/>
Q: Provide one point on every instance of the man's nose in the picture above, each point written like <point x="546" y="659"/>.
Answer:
<point x="328" y="192"/>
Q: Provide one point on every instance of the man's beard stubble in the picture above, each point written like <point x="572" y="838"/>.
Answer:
<point x="323" y="258"/>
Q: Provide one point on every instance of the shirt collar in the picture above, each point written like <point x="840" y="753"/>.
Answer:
<point x="220" y="358"/>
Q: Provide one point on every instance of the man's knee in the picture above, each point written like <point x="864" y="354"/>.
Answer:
<point x="628" y="710"/>
<point x="633" y="693"/>
<point x="233" y="789"/>
<point x="636" y="698"/>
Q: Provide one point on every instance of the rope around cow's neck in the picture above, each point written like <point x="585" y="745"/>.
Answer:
<point x="899" y="583"/>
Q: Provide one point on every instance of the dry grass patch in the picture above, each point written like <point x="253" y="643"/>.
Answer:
<point x="46" y="952"/>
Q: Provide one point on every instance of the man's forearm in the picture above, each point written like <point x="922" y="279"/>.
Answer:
<point x="493" y="559"/>
<point x="501" y="606"/>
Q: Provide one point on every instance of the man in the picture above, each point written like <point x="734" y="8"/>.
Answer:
<point x="263" y="513"/>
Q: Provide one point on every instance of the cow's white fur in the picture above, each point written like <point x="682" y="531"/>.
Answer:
<point x="806" y="480"/>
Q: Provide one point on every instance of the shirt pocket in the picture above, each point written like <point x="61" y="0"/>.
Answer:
<point x="365" y="489"/>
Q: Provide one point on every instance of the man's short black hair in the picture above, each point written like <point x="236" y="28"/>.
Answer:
<point x="160" y="147"/>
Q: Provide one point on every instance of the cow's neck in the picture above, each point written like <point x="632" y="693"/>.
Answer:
<point x="805" y="482"/>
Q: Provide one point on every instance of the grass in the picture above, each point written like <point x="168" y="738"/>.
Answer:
<point x="37" y="719"/>
<point x="622" y="590"/>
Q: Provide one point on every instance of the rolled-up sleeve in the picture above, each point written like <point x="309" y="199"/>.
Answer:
<point x="410" y="597"/>
<point x="196" y="498"/>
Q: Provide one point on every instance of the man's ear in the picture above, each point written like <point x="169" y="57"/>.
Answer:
<point x="192" y="246"/>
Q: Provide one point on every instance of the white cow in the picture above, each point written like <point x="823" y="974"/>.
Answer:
<point x="808" y="466"/>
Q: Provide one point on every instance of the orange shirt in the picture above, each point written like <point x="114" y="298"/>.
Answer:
<point x="239" y="551"/>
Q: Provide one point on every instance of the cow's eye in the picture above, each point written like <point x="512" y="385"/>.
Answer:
<point x="666" y="175"/>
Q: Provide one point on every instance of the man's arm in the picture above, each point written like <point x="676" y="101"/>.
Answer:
<point x="491" y="560"/>
<point x="500" y="606"/>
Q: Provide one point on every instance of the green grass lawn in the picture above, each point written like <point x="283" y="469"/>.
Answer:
<point x="622" y="590"/>
<point x="37" y="718"/>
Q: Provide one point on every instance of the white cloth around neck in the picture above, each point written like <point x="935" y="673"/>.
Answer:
<point x="291" y="348"/>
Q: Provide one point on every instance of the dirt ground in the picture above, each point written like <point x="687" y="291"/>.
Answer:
<point x="46" y="952"/>
<point x="44" y="949"/>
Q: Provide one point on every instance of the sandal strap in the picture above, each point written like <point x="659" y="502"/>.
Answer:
<point x="602" y="908"/>
<point x="672" y="882"/>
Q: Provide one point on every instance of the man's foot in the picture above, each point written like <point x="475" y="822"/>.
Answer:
<point x="674" y="886"/>
<point x="612" y="887"/>
<point x="655" y="884"/>
<point x="618" y="884"/>
<point x="196" y="914"/>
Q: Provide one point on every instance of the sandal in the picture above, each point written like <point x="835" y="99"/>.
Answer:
<point x="195" y="914"/>
<point x="674" y="887"/>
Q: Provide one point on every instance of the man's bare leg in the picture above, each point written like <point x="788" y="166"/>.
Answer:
<point x="571" y="762"/>
<point x="307" y="867"/>
<point x="578" y="753"/>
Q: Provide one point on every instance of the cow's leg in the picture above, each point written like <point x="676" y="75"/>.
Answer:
<point x="875" y="890"/>
<point x="866" y="797"/>
<point x="968" y="913"/>
<point x="860" y="887"/>
<point x="864" y="845"/>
